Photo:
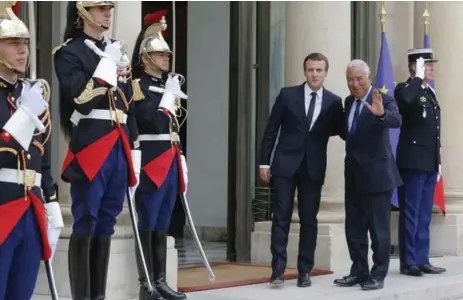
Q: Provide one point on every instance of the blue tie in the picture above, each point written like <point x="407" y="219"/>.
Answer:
<point x="355" y="119"/>
<point x="311" y="108"/>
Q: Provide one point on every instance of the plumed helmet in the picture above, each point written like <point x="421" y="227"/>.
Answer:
<point x="153" y="40"/>
<point x="10" y="25"/>
<point x="83" y="6"/>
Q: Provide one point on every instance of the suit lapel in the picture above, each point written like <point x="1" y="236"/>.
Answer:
<point x="364" y="113"/>
<point x="348" y="106"/>
<point x="300" y="101"/>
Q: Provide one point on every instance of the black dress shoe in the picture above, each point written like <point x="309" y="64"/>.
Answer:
<point x="348" y="281"/>
<point x="277" y="280"/>
<point x="303" y="280"/>
<point x="372" y="284"/>
<point x="411" y="271"/>
<point x="428" y="269"/>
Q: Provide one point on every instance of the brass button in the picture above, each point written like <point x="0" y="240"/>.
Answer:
<point x="7" y="134"/>
<point x="12" y="98"/>
<point x="28" y="156"/>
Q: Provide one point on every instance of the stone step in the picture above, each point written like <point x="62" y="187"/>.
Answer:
<point x="447" y="286"/>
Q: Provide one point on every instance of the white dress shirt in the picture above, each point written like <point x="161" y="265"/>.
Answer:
<point x="318" y="102"/>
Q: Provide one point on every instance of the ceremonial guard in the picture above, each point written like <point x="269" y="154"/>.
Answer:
<point x="418" y="159"/>
<point x="164" y="170"/>
<point x="96" y="101"/>
<point x="27" y="190"/>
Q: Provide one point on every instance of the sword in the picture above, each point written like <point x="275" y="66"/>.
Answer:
<point x="33" y="75"/>
<point x="186" y="208"/>
<point x="192" y="227"/>
<point x="148" y="285"/>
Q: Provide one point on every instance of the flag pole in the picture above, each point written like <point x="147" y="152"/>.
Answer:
<point x="382" y="17"/>
<point x="426" y="19"/>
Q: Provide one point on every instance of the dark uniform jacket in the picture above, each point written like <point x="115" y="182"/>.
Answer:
<point x="16" y="198"/>
<point x="157" y="156"/>
<point x="92" y="139"/>
<point x="419" y="141"/>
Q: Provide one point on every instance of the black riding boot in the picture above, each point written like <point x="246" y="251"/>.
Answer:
<point x="159" y="248"/>
<point x="145" y="239"/>
<point x="79" y="268"/>
<point x="99" y="260"/>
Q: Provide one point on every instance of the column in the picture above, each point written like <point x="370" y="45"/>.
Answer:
<point x="400" y="33"/>
<point x="322" y="27"/>
<point x="445" y="25"/>
<point x="316" y="27"/>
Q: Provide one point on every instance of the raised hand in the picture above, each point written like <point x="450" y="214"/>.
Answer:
<point x="419" y="69"/>
<point x="376" y="107"/>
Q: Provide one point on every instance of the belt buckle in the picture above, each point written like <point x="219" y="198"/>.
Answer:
<point x="119" y="115"/>
<point x="29" y="178"/>
<point x="174" y="138"/>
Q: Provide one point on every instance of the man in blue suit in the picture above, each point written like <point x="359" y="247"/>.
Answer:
<point x="306" y="115"/>
<point x="370" y="174"/>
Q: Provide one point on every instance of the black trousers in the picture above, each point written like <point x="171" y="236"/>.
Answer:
<point x="309" y="194"/>
<point x="368" y="212"/>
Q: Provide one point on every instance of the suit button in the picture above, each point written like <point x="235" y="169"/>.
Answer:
<point x="437" y="117"/>
<point x="414" y="142"/>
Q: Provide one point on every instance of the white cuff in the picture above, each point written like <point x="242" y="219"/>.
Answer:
<point x="21" y="127"/>
<point x="107" y="71"/>
<point x="136" y="160"/>
<point x="264" y="167"/>
<point x="55" y="218"/>
<point x="168" y="102"/>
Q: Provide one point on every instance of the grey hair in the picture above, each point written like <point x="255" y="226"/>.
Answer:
<point x="360" y="64"/>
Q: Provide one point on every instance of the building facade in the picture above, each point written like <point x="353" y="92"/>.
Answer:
<point x="236" y="56"/>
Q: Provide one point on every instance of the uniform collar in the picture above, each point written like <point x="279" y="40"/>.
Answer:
<point x="99" y="43"/>
<point x="154" y="79"/>
<point x="6" y="84"/>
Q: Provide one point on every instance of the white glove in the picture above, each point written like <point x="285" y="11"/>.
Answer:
<point x="136" y="160"/>
<point x="107" y="67"/>
<point x="419" y="70"/>
<point x="24" y="121"/>
<point x="55" y="224"/>
<point x="185" y="171"/>
<point x="171" y="91"/>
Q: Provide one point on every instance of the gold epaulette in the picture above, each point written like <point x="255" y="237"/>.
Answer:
<point x="136" y="89"/>
<point x="56" y="49"/>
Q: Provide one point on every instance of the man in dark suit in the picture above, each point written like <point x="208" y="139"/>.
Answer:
<point x="306" y="115"/>
<point x="418" y="159"/>
<point x="370" y="174"/>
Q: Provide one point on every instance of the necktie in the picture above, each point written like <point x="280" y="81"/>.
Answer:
<point x="311" y="108"/>
<point x="430" y="93"/>
<point x="353" y="126"/>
